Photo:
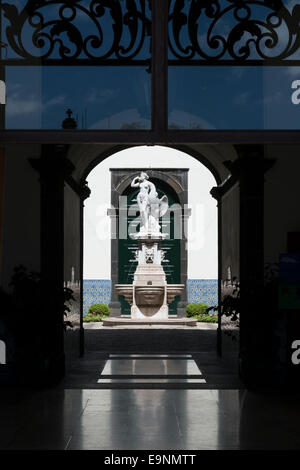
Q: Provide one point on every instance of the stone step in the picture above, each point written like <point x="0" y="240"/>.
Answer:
<point x="119" y="321"/>
<point x="124" y="340"/>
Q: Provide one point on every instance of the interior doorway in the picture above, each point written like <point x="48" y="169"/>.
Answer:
<point x="109" y="175"/>
<point x="191" y="250"/>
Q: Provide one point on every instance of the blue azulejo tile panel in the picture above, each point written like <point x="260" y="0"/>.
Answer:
<point x="202" y="290"/>
<point x="95" y="291"/>
<point x="98" y="291"/>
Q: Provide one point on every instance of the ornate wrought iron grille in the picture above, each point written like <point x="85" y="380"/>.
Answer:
<point x="66" y="32"/>
<point x="140" y="32"/>
<point x="208" y="32"/>
<point x="116" y="32"/>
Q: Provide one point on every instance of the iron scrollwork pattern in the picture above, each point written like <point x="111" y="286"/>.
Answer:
<point x="76" y="30"/>
<point x="237" y="31"/>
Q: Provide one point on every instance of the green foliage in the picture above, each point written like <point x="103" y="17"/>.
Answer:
<point x="92" y="318"/>
<point x="27" y="299"/>
<point x="196" y="309"/>
<point x="230" y="304"/>
<point x="99" y="309"/>
<point x="22" y="312"/>
<point x="208" y="318"/>
<point x="96" y="313"/>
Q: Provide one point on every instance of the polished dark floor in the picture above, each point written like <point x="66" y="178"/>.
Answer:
<point x="149" y="403"/>
<point x="148" y="419"/>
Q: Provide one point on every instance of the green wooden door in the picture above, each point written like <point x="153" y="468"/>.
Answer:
<point x="127" y="247"/>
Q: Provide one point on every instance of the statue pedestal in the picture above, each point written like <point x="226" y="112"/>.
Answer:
<point x="149" y="294"/>
<point x="149" y="284"/>
<point x="141" y="313"/>
<point x="144" y="322"/>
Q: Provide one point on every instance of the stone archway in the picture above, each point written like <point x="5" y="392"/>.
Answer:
<point x="64" y="170"/>
<point x="240" y="202"/>
<point x="213" y="160"/>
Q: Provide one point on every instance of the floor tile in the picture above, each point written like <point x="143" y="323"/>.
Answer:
<point x="151" y="367"/>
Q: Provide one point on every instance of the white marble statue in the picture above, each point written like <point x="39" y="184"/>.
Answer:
<point x="150" y="206"/>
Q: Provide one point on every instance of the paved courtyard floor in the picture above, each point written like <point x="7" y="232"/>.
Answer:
<point x="60" y="419"/>
<point x="157" y="401"/>
<point x="199" y="326"/>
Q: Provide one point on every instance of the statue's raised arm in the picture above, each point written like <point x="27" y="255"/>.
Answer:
<point x="150" y="206"/>
<point x="135" y="184"/>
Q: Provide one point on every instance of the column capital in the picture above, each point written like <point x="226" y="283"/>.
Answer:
<point x="52" y="165"/>
<point x="251" y="161"/>
<point x="84" y="191"/>
<point x="217" y="192"/>
<point x="250" y="150"/>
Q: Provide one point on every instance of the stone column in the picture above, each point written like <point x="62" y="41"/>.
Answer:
<point x="255" y="330"/>
<point x="52" y="167"/>
<point x="181" y="308"/>
<point x="84" y="192"/>
<point x="2" y="93"/>
<point x="217" y="194"/>
<point x="2" y="180"/>
<point x="115" y="306"/>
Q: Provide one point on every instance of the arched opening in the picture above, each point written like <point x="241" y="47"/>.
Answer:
<point x="192" y="256"/>
<point x="187" y="175"/>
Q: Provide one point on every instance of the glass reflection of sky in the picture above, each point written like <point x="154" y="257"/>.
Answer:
<point x="114" y="98"/>
<point x="100" y="97"/>
<point x="214" y="97"/>
<point x="232" y="97"/>
<point x="229" y="97"/>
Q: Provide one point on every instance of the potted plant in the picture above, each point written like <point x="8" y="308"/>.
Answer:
<point x="22" y="324"/>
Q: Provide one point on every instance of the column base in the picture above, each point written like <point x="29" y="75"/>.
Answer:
<point x="181" y="309"/>
<point x="115" y="309"/>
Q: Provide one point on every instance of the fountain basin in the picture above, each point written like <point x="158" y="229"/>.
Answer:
<point x="149" y="298"/>
<point x="173" y="290"/>
<point x="149" y="295"/>
<point x="126" y="290"/>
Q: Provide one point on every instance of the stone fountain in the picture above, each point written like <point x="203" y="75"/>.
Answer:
<point x="149" y="294"/>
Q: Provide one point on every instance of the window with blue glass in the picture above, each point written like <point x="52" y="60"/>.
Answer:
<point x="87" y="58"/>
<point x="88" y="64"/>
<point x="235" y="63"/>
